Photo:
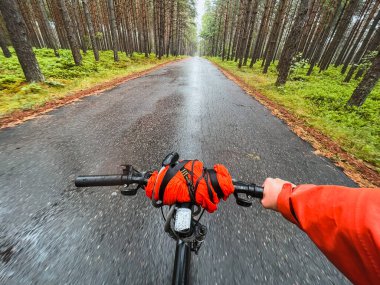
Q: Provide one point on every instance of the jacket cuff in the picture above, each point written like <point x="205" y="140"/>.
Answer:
<point x="284" y="205"/>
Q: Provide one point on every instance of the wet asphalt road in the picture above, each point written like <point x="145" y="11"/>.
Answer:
<point x="53" y="233"/>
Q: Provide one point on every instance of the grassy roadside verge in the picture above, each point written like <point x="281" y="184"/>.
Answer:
<point x="319" y="101"/>
<point x="63" y="77"/>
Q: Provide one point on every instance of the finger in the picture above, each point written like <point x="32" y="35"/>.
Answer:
<point x="267" y="181"/>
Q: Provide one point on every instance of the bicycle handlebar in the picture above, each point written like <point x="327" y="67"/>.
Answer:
<point x="100" y="180"/>
<point x="121" y="179"/>
<point x="132" y="176"/>
<point x="252" y="190"/>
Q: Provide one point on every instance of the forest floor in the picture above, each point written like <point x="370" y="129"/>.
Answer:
<point x="314" y="107"/>
<point x="64" y="81"/>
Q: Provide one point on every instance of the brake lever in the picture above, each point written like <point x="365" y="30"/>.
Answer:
<point x="242" y="202"/>
<point x="130" y="171"/>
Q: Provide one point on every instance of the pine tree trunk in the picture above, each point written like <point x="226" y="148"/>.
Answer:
<point x="75" y="12"/>
<point x="354" y="31"/>
<point x="313" y="17"/>
<point x="162" y="29"/>
<point x="128" y="37"/>
<point x="171" y="13"/>
<point x="239" y="30"/>
<point x="93" y="9"/>
<point x="213" y="45"/>
<point x="359" y="73"/>
<point x="313" y="34"/>
<point x="49" y="32"/>
<point x="291" y="43"/>
<point x="244" y="33"/>
<point x="266" y="36"/>
<point x="144" y="28"/>
<point x="135" y="32"/>
<point x="147" y="28"/>
<point x="91" y="30"/>
<point x="367" y="84"/>
<point x="3" y="45"/>
<point x="70" y="32"/>
<point x="318" y="45"/>
<point x="338" y="36"/>
<point x="273" y="38"/>
<point x="262" y="31"/>
<point x="282" y="27"/>
<point x="233" y="29"/>
<point x="252" y="27"/>
<point x="225" y="30"/>
<point x="356" y="57"/>
<point x="59" y="26"/>
<point x="111" y="8"/>
<point x="18" y="34"/>
<point x="27" y="14"/>
<point x="375" y="41"/>
<point x="218" y="36"/>
<point x="315" y="43"/>
<point x="177" y="29"/>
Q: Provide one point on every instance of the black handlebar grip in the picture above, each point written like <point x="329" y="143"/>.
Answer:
<point x="259" y="192"/>
<point x="100" y="180"/>
<point x="252" y="190"/>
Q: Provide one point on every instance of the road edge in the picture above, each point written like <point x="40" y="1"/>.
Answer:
<point x="18" y="117"/>
<point x="356" y="169"/>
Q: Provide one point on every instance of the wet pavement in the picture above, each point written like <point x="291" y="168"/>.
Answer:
<point x="53" y="233"/>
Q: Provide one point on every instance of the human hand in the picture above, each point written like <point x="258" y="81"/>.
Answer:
<point x="272" y="188"/>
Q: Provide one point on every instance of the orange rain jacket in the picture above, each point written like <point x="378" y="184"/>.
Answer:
<point x="343" y="222"/>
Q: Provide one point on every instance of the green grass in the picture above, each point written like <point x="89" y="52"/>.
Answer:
<point x="62" y="76"/>
<point x="320" y="101"/>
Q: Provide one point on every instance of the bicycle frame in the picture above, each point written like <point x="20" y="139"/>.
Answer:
<point x="181" y="270"/>
<point x="187" y="240"/>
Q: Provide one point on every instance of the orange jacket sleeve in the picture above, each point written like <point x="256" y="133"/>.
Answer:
<point x="343" y="222"/>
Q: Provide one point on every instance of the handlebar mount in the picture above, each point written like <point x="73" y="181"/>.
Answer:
<point x="134" y="177"/>
<point x="250" y="190"/>
<point x="130" y="176"/>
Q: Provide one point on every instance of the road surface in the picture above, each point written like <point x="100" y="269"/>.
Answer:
<point x="53" y="233"/>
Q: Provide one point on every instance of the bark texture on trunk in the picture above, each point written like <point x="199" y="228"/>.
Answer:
<point x="252" y="27"/>
<point x="357" y="56"/>
<point x="3" y="45"/>
<point x="273" y="38"/>
<point x="338" y="36"/>
<point x="90" y="27"/>
<point x="291" y="44"/>
<point x="18" y="33"/>
<point x="73" y="42"/>
<point x="244" y="32"/>
<point x="113" y="30"/>
<point x="49" y="32"/>
<point x="367" y="84"/>
<point x="375" y="41"/>
<point x="260" y="37"/>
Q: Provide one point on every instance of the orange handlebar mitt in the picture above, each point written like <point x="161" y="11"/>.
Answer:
<point x="189" y="181"/>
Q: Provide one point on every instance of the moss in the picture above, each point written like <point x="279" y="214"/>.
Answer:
<point x="63" y="76"/>
<point x="320" y="99"/>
